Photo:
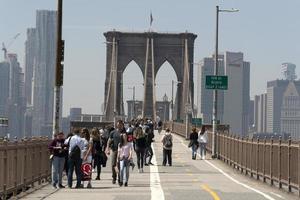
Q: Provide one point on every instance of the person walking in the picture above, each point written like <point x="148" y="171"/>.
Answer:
<point x="159" y="126"/>
<point x="202" y="139"/>
<point x="167" y="141"/>
<point x="97" y="151"/>
<point x="194" y="143"/>
<point x="124" y="157"/>
<point x="149" y="139"/>
<point x="57" y="149"/>
<point x="113" y="144"/>
<point x="76" y="145"/>
<point x="140" y="146"/>
<point x="86" y="166"/>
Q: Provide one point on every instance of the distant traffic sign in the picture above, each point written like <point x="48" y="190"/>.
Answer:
<point x="216" y="82"/>
<point x="197" y="122"/>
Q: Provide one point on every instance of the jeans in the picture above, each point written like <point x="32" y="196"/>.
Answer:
<point x="167" y="155"/>
<point x="140" y="153"/>
<point x="124" y="170"/>
<point x="202" y="150"/>
<point x="194" y="151"/>
<point x="57" y="169"/>
<point x="77" y="165"/>
<point x="114" y="163"/>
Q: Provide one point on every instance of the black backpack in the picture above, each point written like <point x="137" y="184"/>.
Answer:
<point x="75" y="152"/>
<point x="168" y="141"/>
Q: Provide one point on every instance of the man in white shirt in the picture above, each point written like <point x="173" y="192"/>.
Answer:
<point x="76" y="145"/>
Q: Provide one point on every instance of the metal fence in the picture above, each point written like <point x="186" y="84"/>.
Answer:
<point x="276" y="162"/>
<point x="22" y="165"/>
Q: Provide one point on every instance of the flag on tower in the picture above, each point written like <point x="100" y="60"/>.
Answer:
<point x="151" y="19"/>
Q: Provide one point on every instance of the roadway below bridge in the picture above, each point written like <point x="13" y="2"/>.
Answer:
<point x="186" y="179"/>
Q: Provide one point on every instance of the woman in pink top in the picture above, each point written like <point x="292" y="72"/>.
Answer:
<point x="124" y="156"/>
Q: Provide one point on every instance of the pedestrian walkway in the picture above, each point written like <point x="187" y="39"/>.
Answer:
<point x="186" y="179"/>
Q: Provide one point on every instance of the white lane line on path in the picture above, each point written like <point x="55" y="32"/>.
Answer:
<point x="157" y="192"/>
<point x="277" y="195"/>
<point x="229" y="177"/>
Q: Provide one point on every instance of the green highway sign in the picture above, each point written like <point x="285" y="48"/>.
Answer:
<point x="197" y="121"/>
<point x="216" y="82"/>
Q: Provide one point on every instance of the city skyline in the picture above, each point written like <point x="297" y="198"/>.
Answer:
<point x="238" y="32"/>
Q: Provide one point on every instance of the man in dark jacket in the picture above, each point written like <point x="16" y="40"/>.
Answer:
<point x="58" y="153"/>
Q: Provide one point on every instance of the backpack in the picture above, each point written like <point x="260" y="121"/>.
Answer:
<point x="168" y="141"/>
<point x="75" y="152"/>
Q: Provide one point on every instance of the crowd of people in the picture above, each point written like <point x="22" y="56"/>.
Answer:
<point x="85" y="151"/>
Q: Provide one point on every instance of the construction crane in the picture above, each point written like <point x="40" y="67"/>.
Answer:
<point x="4" y="48"/>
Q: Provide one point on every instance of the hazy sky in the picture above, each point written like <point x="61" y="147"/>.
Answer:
<point x="266" y="31"/>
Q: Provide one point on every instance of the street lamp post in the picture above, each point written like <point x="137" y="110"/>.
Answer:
<point x="58" y="69"/>
<point x="215" y="96"/>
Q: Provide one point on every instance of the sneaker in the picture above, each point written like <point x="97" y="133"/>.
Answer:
<point x="150" y="163"/>
<point x="61" y="186"/>
<point x="89" y="185"/>
<point x="54" y="185"/>
<point x="114" y="181"/>
<point x="121" y="184"/>
<point x="126" y="184"/>
<point x="142" y="170"/>
<point x="146" y="164"/>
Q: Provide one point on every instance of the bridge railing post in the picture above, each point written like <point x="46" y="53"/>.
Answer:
<point x="264" y="159"/>
<point x="271" y="161"/>
<point x="289" y="164"/>
<point x="279" y="163"/>
<point x="298" y="171"/>
<point x="242" y="153"/>
<point x="257" y="158"/>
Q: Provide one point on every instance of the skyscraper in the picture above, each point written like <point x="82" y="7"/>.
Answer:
<point x="288" y="71"/>
<point x="4" y="88"/>
<point x="204" y="96"/>
<point x="30" y="51"/>
<point x="44" y="71"/>
<point x="233" y="104"/>
<point x="260" y="113"/>
<point x="290" y="110"/>
<point x="275" y="90"/>
<point x="16" y="100"/>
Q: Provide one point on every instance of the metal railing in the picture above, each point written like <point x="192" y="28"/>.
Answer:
<point x="276" y="162"/>
<point x="22" y="165"/>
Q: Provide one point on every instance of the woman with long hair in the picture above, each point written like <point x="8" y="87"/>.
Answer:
<point x="140" y="146"/>
<point x="124" y="156"/>
<point x="202" y="139"/>
<point x="97" y="151"/>
<point x="87" y="157"/>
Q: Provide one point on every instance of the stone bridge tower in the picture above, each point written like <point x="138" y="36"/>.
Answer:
<point x="149" y="50"/>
